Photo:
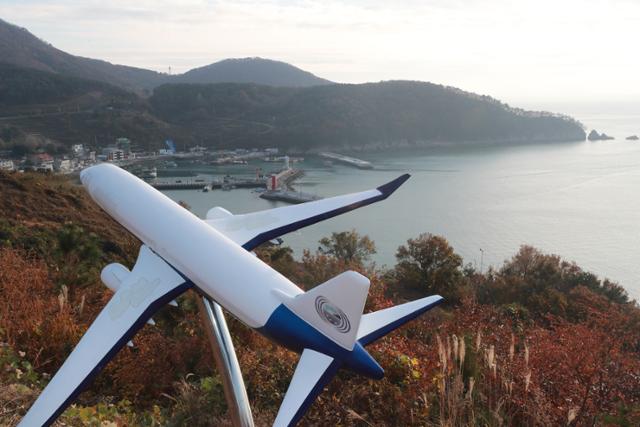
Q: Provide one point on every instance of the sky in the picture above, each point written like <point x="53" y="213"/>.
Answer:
<point x="531" y="53"/>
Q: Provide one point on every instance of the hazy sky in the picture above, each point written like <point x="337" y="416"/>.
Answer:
<point x="519" y="51"/>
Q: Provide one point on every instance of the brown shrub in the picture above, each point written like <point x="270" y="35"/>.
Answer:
<point x="34" y="317"/>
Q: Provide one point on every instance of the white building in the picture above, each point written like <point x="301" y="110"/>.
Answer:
<point x="78" y="149"/>
<point x="42" y="162"/>
<point x="197" y="149"/>
<point x="6" y="165"/>
<point x="62" y="165"/>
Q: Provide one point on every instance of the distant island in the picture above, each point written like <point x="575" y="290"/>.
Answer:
<point x="595" y="136"/>
<point x="632" y="138"/>
<point x="51" y="100"/>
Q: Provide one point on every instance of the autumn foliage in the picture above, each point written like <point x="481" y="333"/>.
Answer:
<point x="537" y="341"/>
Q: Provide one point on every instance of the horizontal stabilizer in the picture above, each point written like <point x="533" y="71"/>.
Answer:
<point x="335" y="307"/>
<point x="377" y="324"/>
<point x="313" y="372"/>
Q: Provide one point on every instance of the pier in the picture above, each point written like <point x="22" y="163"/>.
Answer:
<point x="190" y="185"/>
<point x="293" y="197"/>
<point x="212" y="185"/>
<point x="349" y="161"/>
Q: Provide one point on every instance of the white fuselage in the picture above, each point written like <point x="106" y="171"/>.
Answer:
<point x="226" y="272"/>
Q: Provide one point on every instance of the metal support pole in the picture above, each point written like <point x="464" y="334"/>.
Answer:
<point x="227" y="362"/>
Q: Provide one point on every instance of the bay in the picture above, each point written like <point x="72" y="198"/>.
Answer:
<point x="577" y="200"/>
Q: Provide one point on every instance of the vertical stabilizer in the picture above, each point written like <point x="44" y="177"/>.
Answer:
<point x="335" y="307"/>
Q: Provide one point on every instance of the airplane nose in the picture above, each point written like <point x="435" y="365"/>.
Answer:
<point x="85" y="175"/>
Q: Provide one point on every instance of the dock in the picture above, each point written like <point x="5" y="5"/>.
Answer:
<point x="349" y="161"/>
<point x="293" y="197"/>
<point x="287" y="176"/>
<point x="211" y="185"/>
<point x="190" y="185"/>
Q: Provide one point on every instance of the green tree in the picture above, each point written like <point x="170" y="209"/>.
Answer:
<point x="428" y="265"/>
<point x="348" y="246"/>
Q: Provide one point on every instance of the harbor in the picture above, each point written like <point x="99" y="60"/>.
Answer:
<point x="275" y="185"/>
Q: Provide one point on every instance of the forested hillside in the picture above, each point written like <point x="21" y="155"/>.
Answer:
<point x="22" y="89"/>
<point x="68" y="110"/>
<point x="20" y="48"/>
<point x="537" y="341"/>
<point x="250" y="70"/>
<point x="372" y="114"/>
<point x="41" y="110"/>
<point x="66" y="99"/>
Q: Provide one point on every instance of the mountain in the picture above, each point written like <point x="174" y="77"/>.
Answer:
<point x="251" y="70"/>
<point x="21" y="48"/>
<point x="65" y="99"/>
<point x="22" y="89"/>
<point x="385" y="114"/>
<point x="40" y="109"/>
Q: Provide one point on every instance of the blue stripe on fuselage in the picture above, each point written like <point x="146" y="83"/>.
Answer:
<point x="289" y="330"/>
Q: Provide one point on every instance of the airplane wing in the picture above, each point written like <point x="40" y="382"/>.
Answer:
<point x="151" y="284"/>
<point x="313" y="372"/>
<point x="252" y="229"/>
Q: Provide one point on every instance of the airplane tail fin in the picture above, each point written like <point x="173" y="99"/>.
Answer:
<point x="335" y="307"/>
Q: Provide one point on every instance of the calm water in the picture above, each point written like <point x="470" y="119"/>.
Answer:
<point x="577" y="200"/>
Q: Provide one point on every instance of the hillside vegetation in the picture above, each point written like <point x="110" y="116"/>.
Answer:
<point x="23" y="89"/>
<point x="61" y="99"/>
<point x="20" y="48"/>
<point x="68" y="110"/>
<point x="250" y="70"/>
<point x="538" y="341"/>
<point x="39" y="109"/>
<point x="363" y="115"/>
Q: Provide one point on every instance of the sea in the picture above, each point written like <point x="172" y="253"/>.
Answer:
<point x="578" y="200"/>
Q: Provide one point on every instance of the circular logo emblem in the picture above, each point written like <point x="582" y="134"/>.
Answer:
<point x="332" y="315"/>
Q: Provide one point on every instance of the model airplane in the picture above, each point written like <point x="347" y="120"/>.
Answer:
<point x="180" y="251"/>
